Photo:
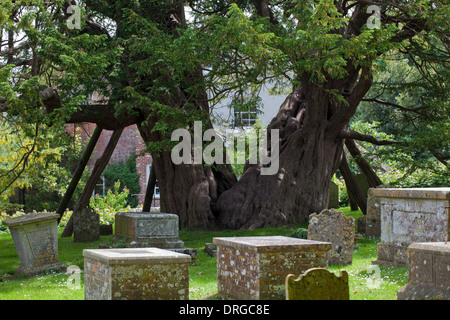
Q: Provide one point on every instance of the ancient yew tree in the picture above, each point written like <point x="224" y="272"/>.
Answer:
<point x="144" y="63"/>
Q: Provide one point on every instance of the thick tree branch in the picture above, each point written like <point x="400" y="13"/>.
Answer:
<point x="350" y="134"/>
<point x="395" y="105"/>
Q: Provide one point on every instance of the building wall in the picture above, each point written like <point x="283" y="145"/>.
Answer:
<point x="130" y="143"/>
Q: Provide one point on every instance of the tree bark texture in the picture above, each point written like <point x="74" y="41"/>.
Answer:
<point x="188" y="190"/>
<point x="352" y="185"/>
<point x="151" y="183"/>
<point x="309" y="156"/>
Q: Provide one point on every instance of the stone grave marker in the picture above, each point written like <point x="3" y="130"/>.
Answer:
<point x="86" y="226"/>
<point x="35" y="236"/>
<point x="333" y="226"/>
<point x="318" y="284"/>
<point x="333" y="201"/>
<point x="428" y="272"/>
<point x="255" y="268"/>
<point x="149" y="229"/>
<point x="136" y="274"/>
<point x="408" y="216"/>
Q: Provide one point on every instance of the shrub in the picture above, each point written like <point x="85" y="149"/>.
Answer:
<point x="114" y="202"/>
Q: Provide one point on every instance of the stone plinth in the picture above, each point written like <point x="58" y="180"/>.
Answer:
<point x="145" y="229"/>
<point x="136" y="274"/>
<point x="428" y="272"/>
<point x="408" y="216"/>
<point x="35" y="236"/>
<point x="255" y="268"/>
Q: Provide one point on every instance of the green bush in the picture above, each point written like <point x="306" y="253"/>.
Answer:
<point x="128" y="177"/>
<point x="107" y="206"/>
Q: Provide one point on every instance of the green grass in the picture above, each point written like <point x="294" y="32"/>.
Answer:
<point x="365" y="280"/>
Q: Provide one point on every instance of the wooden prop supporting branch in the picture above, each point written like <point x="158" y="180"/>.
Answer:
<point x="150" y="190"/>
<point x="79" y="172"/>
<point x="372" y="179"/>
<point x="352" y="185"/>
<point x="99" y="167"/>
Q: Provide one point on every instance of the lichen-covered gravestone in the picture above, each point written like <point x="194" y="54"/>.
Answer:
<point x="428" y="272"/>
<point x="318" y="284"/>
<point x="35" y="236"/>
<point x="333" y="226"/>
<point x="86" y="226"/>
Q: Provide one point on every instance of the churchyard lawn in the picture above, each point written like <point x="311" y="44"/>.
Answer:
<point x="366" y="281"/>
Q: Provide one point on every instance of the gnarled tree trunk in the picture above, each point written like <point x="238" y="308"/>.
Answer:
<point x="188" y="190"/>
<point x="308" y="158"/>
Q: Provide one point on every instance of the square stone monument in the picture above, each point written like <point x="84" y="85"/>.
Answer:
<point x="136" y="274"/>
<point x="35" y="236"/>
<point x="428" y="272"/>
<point x="146" y="229"/>
<point x="410" y="215"/>
<point x="255" y="268"/>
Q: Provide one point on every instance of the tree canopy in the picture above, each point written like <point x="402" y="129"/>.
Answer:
<point x="117" y="63"/>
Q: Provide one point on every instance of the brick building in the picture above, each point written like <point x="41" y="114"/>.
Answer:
<point x="130" y="144"/>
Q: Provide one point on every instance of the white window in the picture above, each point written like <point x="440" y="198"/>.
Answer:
<point x="246" y="118"/>
<point x="156" y="191"/>
<point x="100" y="188"/>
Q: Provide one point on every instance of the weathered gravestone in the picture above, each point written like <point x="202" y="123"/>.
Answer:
<point x="333" y="226"/>
<point x="318" y="284"/>
<point x="35" y="236"/>
<point x="333" y="201"/>
<point x="410" y="215"/>
<point x="86" y="226"/>
<point x="428" y="272"/>
<point x="146" y="229"/>
<point x="136" y="274"/>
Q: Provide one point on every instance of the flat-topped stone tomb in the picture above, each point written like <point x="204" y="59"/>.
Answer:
<point x="408" y="216"/>
<point x="136" y="274"/>
<point x="428" y="272"/>
<point x="147" y="229"/>
<point x="255" y="268"/>
<point x="35" y="236"/>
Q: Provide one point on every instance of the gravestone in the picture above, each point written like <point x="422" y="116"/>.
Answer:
<point x="255" y="268"/>
<point x="86" y="226"/>
<point x="146" y="229"/>
<point x="35" y="236"/>
<point x="333" y="226"/>
<point x="410" y="215"/>
<point x="428" y="272"/>
<point x="318" y="284"/>
<point x="333" y="201"/>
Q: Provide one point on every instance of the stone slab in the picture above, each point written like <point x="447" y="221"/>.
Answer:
<point x="271" y="244"/>
<point x="408" y="216"/>
<point x="145" y="229"/>
<point x="30" y="218"/>
<point x="135" y="256"/>
<point x="136" y="274"/>
<point x="255" y="268"/>
<point x="35" y="237"/>
<point x="428" y="272"/>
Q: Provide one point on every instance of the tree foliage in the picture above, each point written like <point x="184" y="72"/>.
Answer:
<point x="141" y="62"/>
